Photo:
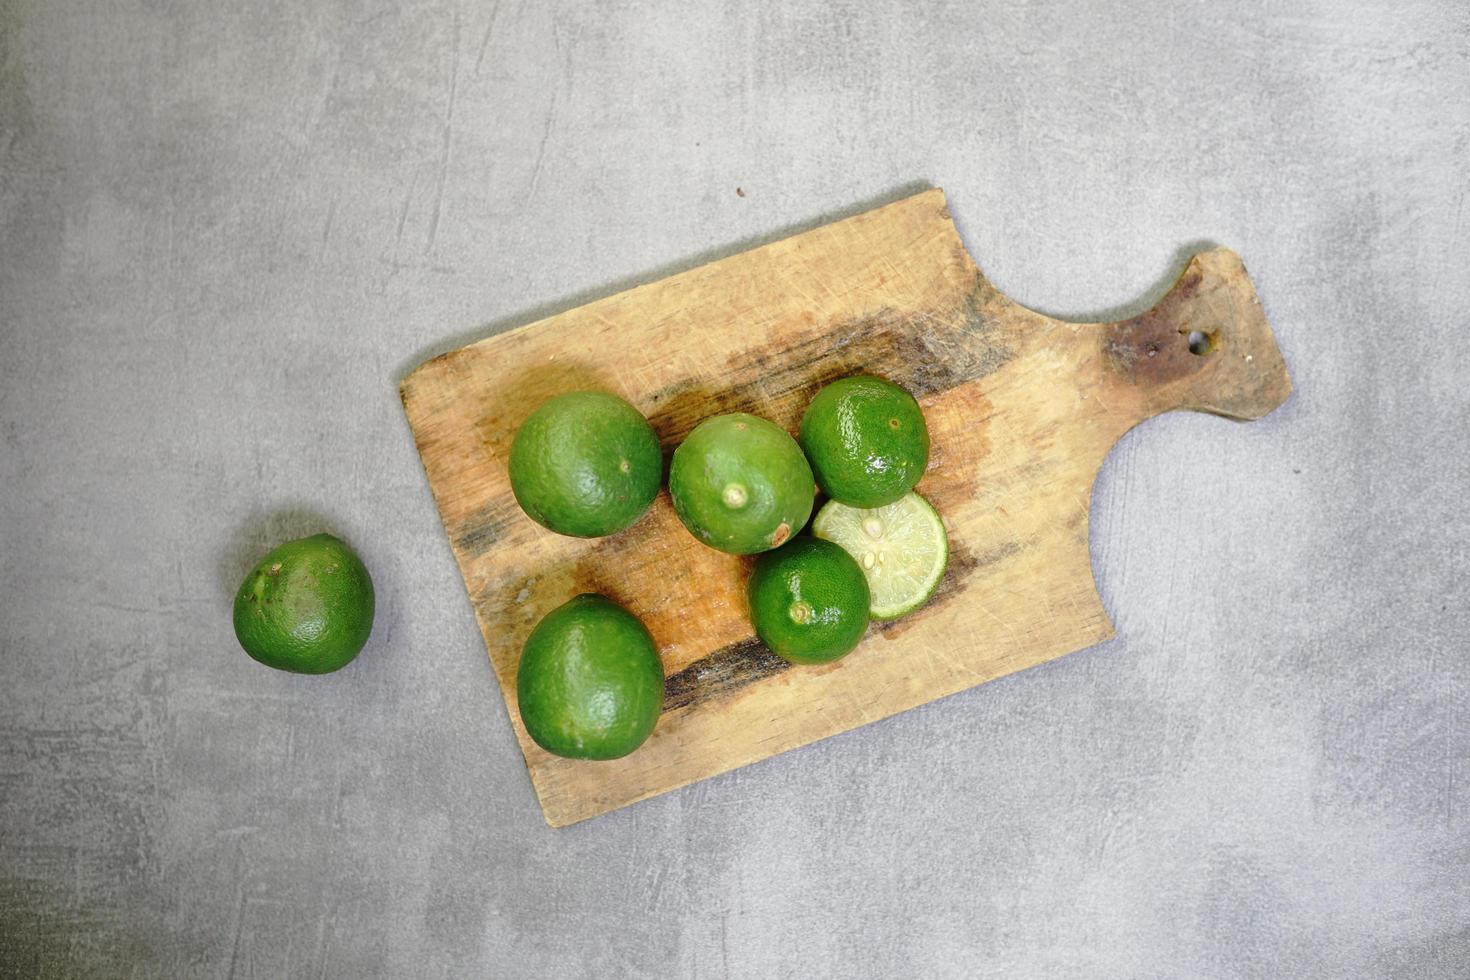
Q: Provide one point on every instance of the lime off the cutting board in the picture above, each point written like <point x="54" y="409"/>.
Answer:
<point x="1021" y="410"/>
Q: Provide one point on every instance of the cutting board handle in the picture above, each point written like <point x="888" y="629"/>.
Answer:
<point x="1205" y="346"/>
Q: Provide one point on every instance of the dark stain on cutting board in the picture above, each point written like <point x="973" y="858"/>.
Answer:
<point x="927" y="354"/>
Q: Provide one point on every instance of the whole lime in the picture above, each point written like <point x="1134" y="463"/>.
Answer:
<point x="741" y="484"/>
<point x="585" y="464"/>
<point x="307" y="607"/>
<point x="590" y="683"/>
<point x="808" y="601"/>
<point x="866" y="440"/>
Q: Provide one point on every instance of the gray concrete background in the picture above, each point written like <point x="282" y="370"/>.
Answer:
<point x="229" y="228"/>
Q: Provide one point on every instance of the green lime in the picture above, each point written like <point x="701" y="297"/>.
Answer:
<point x="901" y="548"/>
<point x="808" y="601"/>
<point x="866" y="440"/>
<point x="590" y="683"/>
<point x="741" y="484"/>
<point x="307" y="607"/>
<point x="585" y="464"/>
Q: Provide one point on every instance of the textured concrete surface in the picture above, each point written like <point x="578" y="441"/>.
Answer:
<point x="228" y="229"/>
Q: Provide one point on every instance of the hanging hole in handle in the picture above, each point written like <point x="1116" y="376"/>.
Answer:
<point x="1200" y="342"/>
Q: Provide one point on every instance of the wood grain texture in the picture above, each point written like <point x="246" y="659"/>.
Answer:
<point x="1022" y="409"/>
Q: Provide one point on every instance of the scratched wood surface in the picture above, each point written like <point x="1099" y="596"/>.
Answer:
<point x="1022" y="409"/>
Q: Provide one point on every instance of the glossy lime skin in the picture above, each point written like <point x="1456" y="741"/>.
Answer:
<point x="307" y="607"/>
<point x="590" y="683"/>
<point x="866" y="440"/>
<point x="808" y="601"/>
<point x="741" y="484"/>
<point x="585" y="464"/>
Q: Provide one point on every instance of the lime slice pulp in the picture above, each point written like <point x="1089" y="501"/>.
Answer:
<point x="901" y="548"/>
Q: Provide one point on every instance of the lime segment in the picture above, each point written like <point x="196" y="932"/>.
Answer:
<point x="901" y="548"/>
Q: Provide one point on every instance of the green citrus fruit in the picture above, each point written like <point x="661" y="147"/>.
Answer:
<point x="808" y="601"/>
<point x="307" y="607"/>
<point x="741" y="484"/>
<point x="901" y="548"/>
<point x="866" y="440"/>
<point x="585" y="464"/>
<point x="590" y="683"/>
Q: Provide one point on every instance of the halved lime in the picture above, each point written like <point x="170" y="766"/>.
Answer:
<point x="901" y="548"/>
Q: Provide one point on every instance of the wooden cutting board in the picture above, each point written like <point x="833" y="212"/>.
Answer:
<point x="1021" y="408"/>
